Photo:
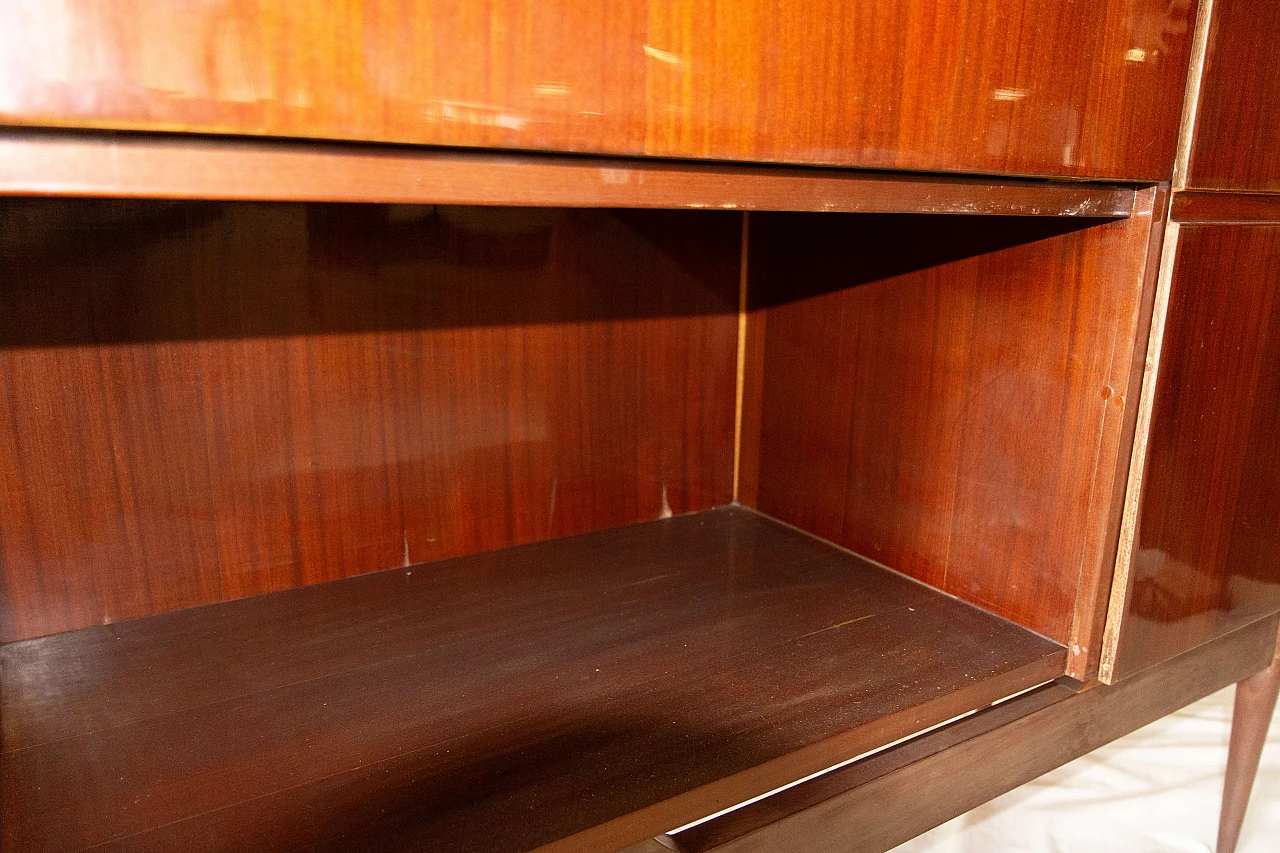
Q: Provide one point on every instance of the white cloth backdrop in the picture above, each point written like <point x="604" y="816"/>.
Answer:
<point x="1157" y="789"/>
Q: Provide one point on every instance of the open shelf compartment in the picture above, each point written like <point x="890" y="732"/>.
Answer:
<point x="592" y="690"/>
<point x="391" y="498"/>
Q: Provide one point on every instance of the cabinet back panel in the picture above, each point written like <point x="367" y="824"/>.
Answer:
<point x="946" y="396"/>
<point x="211" y="400"/>
<point x="1045" y="87"/>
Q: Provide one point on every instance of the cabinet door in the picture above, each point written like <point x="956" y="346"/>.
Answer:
<point x="1042" y="87"/>
<point x="1206" y="549"/>
<point x="1237" y="133"/>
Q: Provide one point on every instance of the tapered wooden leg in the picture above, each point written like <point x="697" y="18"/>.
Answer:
<point x="1255" y="703"/>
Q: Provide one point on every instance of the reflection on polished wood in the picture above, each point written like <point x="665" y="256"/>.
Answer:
<point x="1052" y="87"/>
<point x="158" y="166"/>
<point x="889" y="798"/>
<point x="211" y="400"/>
<point x="1207" y="553"/>
<point x="1236" y="145"/>
<point x="598" y="689"/>
<point x="947" y="397"/>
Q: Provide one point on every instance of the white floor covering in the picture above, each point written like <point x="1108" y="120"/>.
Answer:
<point x="1157" y="789"/>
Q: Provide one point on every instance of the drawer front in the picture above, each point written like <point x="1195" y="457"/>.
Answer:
<point x="1054" y="87"/>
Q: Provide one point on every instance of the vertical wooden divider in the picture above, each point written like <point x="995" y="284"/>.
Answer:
<point x="742" y="349"/>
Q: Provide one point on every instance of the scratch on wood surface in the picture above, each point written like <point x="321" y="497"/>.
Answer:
<point x="837" y="625"/>
<point x="646" y="580"/>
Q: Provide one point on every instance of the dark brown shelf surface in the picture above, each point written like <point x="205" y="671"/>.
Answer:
<point x="51" y="163"/>
<point x="578" y="694"/>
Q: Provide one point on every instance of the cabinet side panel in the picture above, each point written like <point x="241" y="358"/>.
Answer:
<point x="946" y="396"/>
<point x="1236" y="143"/>
<point x="1207" y="548"/>
<point x="1051" y="87"/>
<point x="209" y="400"/>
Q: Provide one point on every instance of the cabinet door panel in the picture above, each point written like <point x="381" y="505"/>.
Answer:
<point x="1237" y="134"/>
<point x="1206" y="555"/>
<point x="1048" y="88"/>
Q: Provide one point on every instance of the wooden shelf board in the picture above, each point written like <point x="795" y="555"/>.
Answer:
<point x="69" y="163"/>
<point x="578" y="694"/>
<point x="993" y="751"/>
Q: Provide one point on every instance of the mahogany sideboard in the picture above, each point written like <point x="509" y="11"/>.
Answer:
<point x="696" y="426"/>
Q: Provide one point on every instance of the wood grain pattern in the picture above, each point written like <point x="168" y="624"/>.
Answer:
<point x="209" y="400"/>
<point x="1042" y="88"/>
<point x="1225" y="207"/>
<point x="1236" y="144"/>
<point x="875" y="804"/>
<point x="584" y="693"/>
<point x="947" y="396"/>
<point x="1207" y="555"/>
<point x="157" y="166"/>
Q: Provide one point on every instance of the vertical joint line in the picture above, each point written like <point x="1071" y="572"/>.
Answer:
<point x="742" y="350"/>
<point x="1191" y="99"/>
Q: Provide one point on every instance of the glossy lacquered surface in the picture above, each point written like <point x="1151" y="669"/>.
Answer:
<point x="1218" y="206"/>
<point x="209" y="400"/>
<point x="1236" y="143"/>
<point x="586" y="693"/>
<point x="1046" y="88"/>
<point x="78" y="163"/>
<point x="947" y="396"/>
<point x="880" y="802"/>
<point x="1207" y="552"/>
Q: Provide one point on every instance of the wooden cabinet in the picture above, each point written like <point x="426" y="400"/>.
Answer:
<point x="366" y="487"/>
<point x="215" y="400"/>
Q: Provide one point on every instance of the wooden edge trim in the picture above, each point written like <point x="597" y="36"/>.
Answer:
<point x="725" y="793"/>
<point x="1111" y="466"/>
<point x="70" y="163"/>
<point x="1226" y="207"/>
<point x="657" y="844"/>
<point x="1120" y="581"/>
<point x="893" y="796"/>
<point x="1191" y="97"/>
<point x="741" y="369"/>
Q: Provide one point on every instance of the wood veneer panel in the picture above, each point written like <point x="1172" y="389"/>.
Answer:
<point x="159" y="166"/>
<point x="1236" y="143"/>
<point x="1209" y="207"/>
<point x="1206" y="557"/>
<point x="1046" y="88"/>
<point x="993" y="752"/>
<point x="494" y="702"/>
<point x="946" y="396"/>
<point x="208" y="400"/>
